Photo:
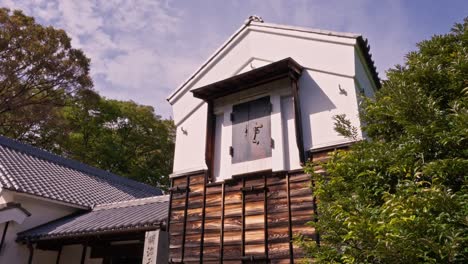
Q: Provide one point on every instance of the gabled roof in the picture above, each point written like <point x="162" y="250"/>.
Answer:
<point x="30" y="170"/>
<point x="128" y="216"/>
<point x="362" y="45"/>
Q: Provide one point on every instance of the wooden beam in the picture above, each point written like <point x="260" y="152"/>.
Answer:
<point x="298" y="120"/>
<point x="221" y="246"/>
<point x="59" y="254"/>
<point x="203" y="216"/>
<point x="83" y="253"/>
<point x="243" y="219"/>
<point x="291" y="249"/>
<point x="265" y="214"/>
<point x="185" y="218"/>
<point x="4" y="235"/>
<point x="31" y="253"/>
<point x="169" y="210"/>
<point x="210" y="140"/>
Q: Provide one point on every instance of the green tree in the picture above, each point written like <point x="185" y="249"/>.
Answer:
<point x="401" y="196"/>
<point x="120" y="136"/>
<point x="47" y="100"/>
<point x="38" y="71"/>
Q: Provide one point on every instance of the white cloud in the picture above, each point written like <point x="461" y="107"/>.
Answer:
<point x="142" y="50"/>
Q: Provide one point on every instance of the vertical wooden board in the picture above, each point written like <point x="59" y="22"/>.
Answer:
<point x="194" y="214"/>
<point x="255" y="250"/>
<point x="278" y="218"/>
<point x="234" y="186"/>
<point x="212" y="212"/>
<point x="175" y="241"/>
<point x="257" y="236"/>
<point x="254" y="181"/>
<point x="177" y="215"/>
<point x="303" y="215"/>
<point x="303" y="229"/>
<point x="255" y="207"/>
<point x="210" y="253"/>
<point x="179" y="181"/>
<point x="197" y="188"/>
<point x="254" y="197"/>
<point x="279" y="250"/>
<point x="193" y="226"/>
<point x="178" y="201"/>
<point x="192" y="240"/>
<point x="231" y="237"/>
<point x="233" y="223"/>
<point x="232" y="251"/>
<point x="299" y="177"/>
<point x="275" y="180"/>
<point x="277" y="205"/>
<point x="175" y="253"/>
<point x="212" y="224"/>
<point x="213" y="199"/>
<point x="278" y="233"/>
<point x="197" y="179"/>
<point x="233" y="210"/>
<point x="252" y="221"/>
<point x="232" y="262"/>
<point x="214" y="189"/>
<point x="281" y="261"/>
<point x="212" y="238"/>
<point x="233" y="198"/>
<point x="192" y="253"/>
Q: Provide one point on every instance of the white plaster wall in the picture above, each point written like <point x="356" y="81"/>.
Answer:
<point x="190" y="141"/>
<point x="323" y="96"/>
<point x="328" y="86"/>
<point x="41" y="212"/>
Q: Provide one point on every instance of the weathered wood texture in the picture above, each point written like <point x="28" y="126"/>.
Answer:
<point x="251" y="219"/>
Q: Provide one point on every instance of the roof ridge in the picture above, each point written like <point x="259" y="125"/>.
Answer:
<point x="258" y="21"/>
<point x="133" y="202"/>
<point x="70" y="163"/>
<point x="308" y="29"/>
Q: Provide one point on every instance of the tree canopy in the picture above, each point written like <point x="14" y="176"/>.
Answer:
<point x="47" y="100"/>
<point x="401" y="196"/>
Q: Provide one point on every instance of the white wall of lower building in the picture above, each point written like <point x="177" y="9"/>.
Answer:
<point x="42" y="211"/>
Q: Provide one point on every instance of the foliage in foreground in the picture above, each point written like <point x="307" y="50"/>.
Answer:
<point x="47" y="100"/>
<point x="401" y="197"/>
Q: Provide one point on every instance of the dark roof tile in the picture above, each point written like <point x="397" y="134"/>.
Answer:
<point x="147" y="213"/>
<point x="27" y="169"/>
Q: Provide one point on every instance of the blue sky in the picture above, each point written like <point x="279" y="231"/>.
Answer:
<point x="141" y="50"/>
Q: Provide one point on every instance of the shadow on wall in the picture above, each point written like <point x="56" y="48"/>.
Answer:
<point x="313" y="100"/>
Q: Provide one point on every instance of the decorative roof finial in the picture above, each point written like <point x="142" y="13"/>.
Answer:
<point x="254" y="18"/>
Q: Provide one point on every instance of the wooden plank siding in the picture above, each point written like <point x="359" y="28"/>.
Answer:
<point x="248" y="219"/>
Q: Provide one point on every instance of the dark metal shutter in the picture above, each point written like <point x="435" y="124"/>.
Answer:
<point x="251" y="130"/>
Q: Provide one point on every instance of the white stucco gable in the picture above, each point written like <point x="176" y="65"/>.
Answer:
<point x="337" y="68"/>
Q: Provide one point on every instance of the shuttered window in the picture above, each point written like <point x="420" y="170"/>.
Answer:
<point x="251" y="130"/>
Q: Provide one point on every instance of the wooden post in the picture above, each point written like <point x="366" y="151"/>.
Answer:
<point x="4" y="235"/>
<point x="83" y="253"/>
<point x="185" y="218"/>
<point x="57" y="261"/>
<point x="31" y="253"/>
<point x="265" y="213"/>
<point x="221" y="246"/>
<point x="298" y="120"/>
<point x="243" y="218"/>
<point x="291" y="252"/>
<point x="202" y="238"/>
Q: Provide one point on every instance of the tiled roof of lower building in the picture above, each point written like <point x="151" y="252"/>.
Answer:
<point x="30" y="170"/>
<point x="139" y="214"/>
